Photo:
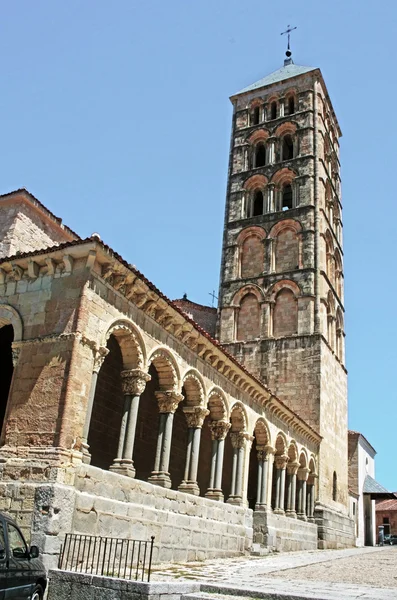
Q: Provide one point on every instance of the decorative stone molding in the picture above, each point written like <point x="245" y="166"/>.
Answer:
<point x="238" y="439"/>
<point x="292" y="468"/>
<point x="303" y="473"/>
<point x="16" y="351"/>
<point x="133" y="381"/>
<point x="261" y="453"/>
<point x="99" y="356"/>
<point x="168" y="401"/>
<point x="281" y="461"/>
<point x="195" y="416"/>
<point x="219" y="429"/>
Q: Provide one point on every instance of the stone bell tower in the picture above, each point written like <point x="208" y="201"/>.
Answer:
<point x="281" y="307"/>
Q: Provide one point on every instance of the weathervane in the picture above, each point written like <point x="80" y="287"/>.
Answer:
<point x="288" y="32"/>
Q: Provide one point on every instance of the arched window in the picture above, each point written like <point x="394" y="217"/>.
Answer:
<point x="260" y="155"/>
<point x="334" y="487"/>
<point x="286" y="251"/>
<point x="286" y="200"/>
<point x="255" y="116"/>
<point x="258" y="204"/>
<point x="252" y="256"/>
<point x="285" y="314"/>
<point x="248" y="321"/>
<point x="291" y="105"/>
<point x="6" y="339"/>
<point x="273" y="110"/>
<point x="287" y="149"/>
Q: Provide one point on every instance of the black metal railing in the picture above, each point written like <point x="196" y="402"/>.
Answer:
<point x="110" y="557"/>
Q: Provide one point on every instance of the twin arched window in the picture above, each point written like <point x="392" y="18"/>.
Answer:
<point x="274" y="110"/>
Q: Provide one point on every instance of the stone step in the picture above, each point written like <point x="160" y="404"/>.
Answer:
<point x="238" y="593"/>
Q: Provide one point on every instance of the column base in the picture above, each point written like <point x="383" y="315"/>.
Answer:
<point x="260" y="507"/>
<point x="214" y="494"/>
<point x="291" y="514"/>
<point x="189" y="487"/>
<point x="236" y="500"/>
<point x="279" y="511"/>
<point x="302" y="517"/>
<point x="123" y="467"/>
<point x="160" y="478"/>
<point x="86" y="458"/>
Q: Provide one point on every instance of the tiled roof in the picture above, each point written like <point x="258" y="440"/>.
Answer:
<point x="373" y="487"/>
<point x="286" y="72"/>
<point x="384" y="505"/>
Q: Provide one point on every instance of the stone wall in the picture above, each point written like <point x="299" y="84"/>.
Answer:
<point x="281" y="533"/>
<point x="186" y="527"/>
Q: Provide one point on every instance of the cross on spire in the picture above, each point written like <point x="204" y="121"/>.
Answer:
<point x="288" y="32"/>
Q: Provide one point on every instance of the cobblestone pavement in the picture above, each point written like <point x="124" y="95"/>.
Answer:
<point x="364" y="573"/>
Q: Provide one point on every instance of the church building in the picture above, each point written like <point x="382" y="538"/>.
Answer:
<point x="126" y="414"/>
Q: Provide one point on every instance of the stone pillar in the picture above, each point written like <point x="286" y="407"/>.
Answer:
<point x="219" y="431"/>
<point x="168" y="403"/>
<point x="195" y="418"/>
<point x="99" y="356"/>
<point x="263" y="465"/>
<point x="281" y="107"/>
<point x="310" y="498"/>
<point x="271" y="197"/>
<point x="292" y="469"/>
<point x="268" y="475"/>
<point x="281" y="464"/>
<point x="239" y="443"/>
<point x="133" y="385"/>
<point x="303" y="474"/>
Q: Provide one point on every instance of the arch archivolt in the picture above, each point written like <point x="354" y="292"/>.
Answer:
<point x="260" y="135"/>
<point x="131" y="343"/>
<point x="238" y="417"/>
<point x="293" y="451"/>
<point x="248" y="289"/>
<point x="283" y="177"/>
<point x="303" y="459"/>
<point x="10" y="316"/>
<point x="167" y="369"/>
<point x="262" y="433"/>
<point x="281" y="445"/>
<point x="280" y="285"/>
<point x="256" y="182"/>
<point x="255" y="102"/>
<point x="286" y="128"/>
<point x="218" y="404"/>
<point x="290" y="224"/>
<point x="194" y="388"/>
<point x="250" y="231"/>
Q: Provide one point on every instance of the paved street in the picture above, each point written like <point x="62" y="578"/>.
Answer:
<point x="365" y="573"/>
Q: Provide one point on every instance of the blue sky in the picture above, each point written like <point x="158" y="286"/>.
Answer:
<point x="116" y="116"/>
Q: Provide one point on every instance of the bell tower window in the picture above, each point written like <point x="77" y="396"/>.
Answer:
<point x="273" y="110"/>
<point x="287" y="148"/>
<point x="260" y="155"/>
<point x="291" y="105"/>
<point x="286" y="197"/>
<point x="255" y="116"/>
<point x="258" y="204"/>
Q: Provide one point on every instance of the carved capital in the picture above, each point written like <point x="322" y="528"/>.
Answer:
<point x="99" y="356"/>
<point x="195" y="416"/>
<point x="303" y="473"/>
<point x="168" y="401"/>
<point x="133" y="381"/>
<point x="292" y="468"/>
<point x="219" y="429"/>
<point x="261" y="453"/>
<point x="238" y="439"/>
<point x="281" y="461"/>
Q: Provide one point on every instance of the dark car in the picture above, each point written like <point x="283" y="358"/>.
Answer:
<point x="22" y="574"/>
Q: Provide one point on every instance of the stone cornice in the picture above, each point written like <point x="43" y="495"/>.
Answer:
<point x="102" y="262"/>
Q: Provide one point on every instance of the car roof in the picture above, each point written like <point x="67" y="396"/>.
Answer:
<point x="6" y="517"/>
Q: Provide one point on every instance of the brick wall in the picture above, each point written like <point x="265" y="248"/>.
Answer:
<point x="252" y="257"/>
<point x="287" y="250"/>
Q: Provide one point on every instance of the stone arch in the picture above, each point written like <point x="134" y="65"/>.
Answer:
<point x="283" y="176"/>
<point x="283" y="284"/>
<point x="238" y="417"/>
<point x="166" y="366"/>
<point x="285" y="313"/>
<point x="251" y="251"/>
<point x="131" y="344"/>
<point x="288" y="127"/>
<point x="194" y="389"/>
<point x="262" y="433"/>
<point x="10" y="316"/>
<point x="313" y="466"/>
<point x="256" y="182"/>
<point x="286" y="248"/>
<point x="303" y="459"/>
<point x="260" y="135"/>
<point x="248" y="289"/>
<point x="293" y="451"/>
<point x="329" y="257"/>
<point x="248" y="322"/>
<point x="281" y="444"/>
<point x="286" y="189"/>
<point x="217" y="405"/>
<point x="338" y="273"/>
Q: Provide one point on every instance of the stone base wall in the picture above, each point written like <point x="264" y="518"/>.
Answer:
<point x="186" y="527"/>
<point x="335" y="530"/>
<point x="281" y="533"/>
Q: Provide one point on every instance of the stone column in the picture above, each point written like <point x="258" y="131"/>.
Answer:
<point x="239" y="442"/>
<point x="271" y="197"/>
<point x="292" y="469"/>
<point x="268" y="475"/>
<point x="281" y="107"/>
<point x="281" y="464"/>
<point x="263" y="464"/>
<point x="168" y="403"/>
<point x="219" y="431"/>
<point x="303" y="474"/>
<point x="99" y="356"/>
<point x="133" y="384"/>
<point x="310" y="498"/>
<point x="195" y="418"/>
